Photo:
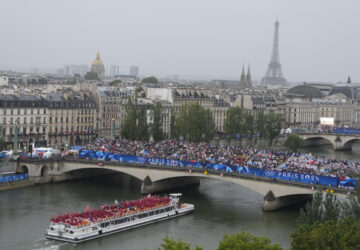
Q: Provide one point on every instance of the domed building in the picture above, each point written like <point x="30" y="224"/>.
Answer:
<point x="304" y="92"/>
<point x="98" y="66"/>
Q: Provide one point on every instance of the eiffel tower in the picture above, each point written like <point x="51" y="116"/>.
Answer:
<point x="274" y="75"/>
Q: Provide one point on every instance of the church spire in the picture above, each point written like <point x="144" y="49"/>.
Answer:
<point x="248" y="78"/>
<point x="243" y="78"/>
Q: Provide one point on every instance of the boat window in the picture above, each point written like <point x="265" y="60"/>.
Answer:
<point x="157" y="212"/>
<point x="71" y="232"/>
<point x="51" y="228"/>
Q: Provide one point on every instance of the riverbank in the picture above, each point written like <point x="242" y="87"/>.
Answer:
<point x="50" y="179"/>
<point x="16" y="184"/>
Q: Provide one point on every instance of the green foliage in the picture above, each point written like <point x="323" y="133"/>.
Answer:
<point x="173" y="132"/>
<point x="150" y="79"/>
<point x="249" y="125"/>
<point x="2" y="139"/>
<point x="194" y="123"/>
<point x="171" y="244"/>
<point x="156" y="126"/>
<point x="260" y="124"/>
<point x="340" y="234"/>
<point x="351" y="206"/>
<point x="246" y="241"/>
<point x="135" y="125"/>
<point x="294" y="142"/>
<point x="239" y="121"/>
<point x="234" y="121"/>
<point x="273" y="124"/>
<point x="320" y="210"/>
<point x="114" y="83"/>
<point x="91" y="76"/>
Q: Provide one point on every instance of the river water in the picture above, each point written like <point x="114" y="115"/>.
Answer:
<point x="221" y="207"/>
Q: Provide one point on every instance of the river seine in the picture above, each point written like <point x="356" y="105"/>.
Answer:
<point x="220" y="208"/>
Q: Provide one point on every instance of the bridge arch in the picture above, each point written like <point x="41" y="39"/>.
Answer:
<point x="44" y="171"/>
<point x="349" y="144"/>
<point x="105" y="170"/>
<point x="316" y="141"/>
<point x="24" y="169"/>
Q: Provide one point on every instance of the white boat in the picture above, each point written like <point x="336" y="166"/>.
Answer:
<point x="80" y="227"/>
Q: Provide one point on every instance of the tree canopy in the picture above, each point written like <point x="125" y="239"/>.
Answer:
<point x="328" y="224"/>
<point x="194" y="123"/>
<point x="114" y="83"/>
<point x="172" y="244"/>
<point x="273" y="123"/>
<point x="135" y="125"/>
<point x="241" y="241"/>
<point x="294" y="142"/>
<point x="157" y="122"/>
<point x="150" y="79"/>
<point x="91" y="76"/>
<point x="239" y="121"/>
<point x="246" y="241"/>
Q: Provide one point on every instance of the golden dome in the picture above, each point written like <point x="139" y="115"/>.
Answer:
<point x="98" y="66"/>
<point x="97" y="61"/>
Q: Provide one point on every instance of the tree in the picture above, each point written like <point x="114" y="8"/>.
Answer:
<point x="234" y="121"/>
<point x="260" y="124"/>
<point x="249" y="125"/>
<point x="135" y="124"/>
<point x="246" y="241"/>
<point x="294" y="142"/>
<point x="319" y="210"/>
<point x="150" y="79"/>
<point x="272" y="125"/>
<point x="2" y="140"/>
<point x="171" y="244"/>
<point x="91" y="76"/>
<point x="341" y="234"/>
<point x="156" y="126"/>
<point x="128" y="129"/>
<point x="114" y="83"/>
<point x="328" y="224"/>
<point x="195" y="123"/>
<point x="142" y="126"/>
<point x="351" y="206"/>
<point x="173" y="131"/>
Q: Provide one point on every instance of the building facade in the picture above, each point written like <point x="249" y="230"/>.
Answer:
<point x="71" y="118"/>
<point x="28" y="115"/>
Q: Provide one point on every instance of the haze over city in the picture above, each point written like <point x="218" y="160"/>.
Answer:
<point x="193" y="39"/>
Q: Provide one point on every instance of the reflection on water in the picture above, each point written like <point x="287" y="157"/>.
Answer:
<point x="221" y="207"/>
<point x="328" y="152"/>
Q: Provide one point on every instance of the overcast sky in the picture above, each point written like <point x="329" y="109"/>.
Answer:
<point x="319" y="39"/>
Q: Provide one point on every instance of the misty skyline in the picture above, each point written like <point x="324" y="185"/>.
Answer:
<point x="210" y="39"/>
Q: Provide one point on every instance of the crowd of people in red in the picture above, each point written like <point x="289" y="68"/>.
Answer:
<point x="108" y="212"/>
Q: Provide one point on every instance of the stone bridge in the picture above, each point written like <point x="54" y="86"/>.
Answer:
<point x="277" y="193"/>
<point x="338" y="141"/>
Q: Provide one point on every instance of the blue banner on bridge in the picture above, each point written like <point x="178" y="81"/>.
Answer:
<point x="273" y="174"/>
<point x="11" y="178"/>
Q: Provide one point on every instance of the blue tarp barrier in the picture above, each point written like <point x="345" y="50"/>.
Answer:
<point x="17" y="177"/>
<point x="281" y="175"/>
